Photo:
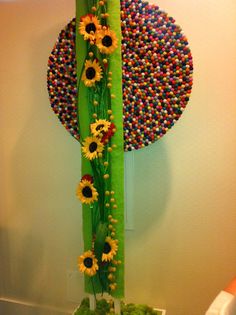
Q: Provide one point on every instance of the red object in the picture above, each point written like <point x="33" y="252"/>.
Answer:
<point x="109" y="133"/>
<point x="87" y="177"/>
<point x="231" y="287"/>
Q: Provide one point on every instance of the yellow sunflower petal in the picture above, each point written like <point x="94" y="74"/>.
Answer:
<point x="106" y="41"/>
<point x="88" y="26"/>
<point x="92" y="72"/>
<point x="110" y="249"/>
<point x="92" y="146"/>
<point x="86" y="192"/>
<point x="99" y="127"/>
<point x="87" y="263"/>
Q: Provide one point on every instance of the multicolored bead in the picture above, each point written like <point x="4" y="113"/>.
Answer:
<point x="157" y="74"/>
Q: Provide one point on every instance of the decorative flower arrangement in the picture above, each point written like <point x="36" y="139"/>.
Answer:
<point x="155" y="72"/>
<point x="95" y="189"/>
<point x="104" y="307"/>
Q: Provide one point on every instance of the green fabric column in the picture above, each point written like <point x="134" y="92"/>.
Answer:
<point x="83" y="121"/>
<point x="117" y="155"/>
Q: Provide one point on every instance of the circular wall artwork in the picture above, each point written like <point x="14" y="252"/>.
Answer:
<point x="157" y="74"/>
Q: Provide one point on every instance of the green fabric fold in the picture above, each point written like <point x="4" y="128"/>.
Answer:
<point x="117" y="156"/>
<point x="83" y="121"/>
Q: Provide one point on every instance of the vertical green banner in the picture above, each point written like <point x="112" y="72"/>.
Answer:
<point x="83" y="122"/>
<point x="110" y="191"/>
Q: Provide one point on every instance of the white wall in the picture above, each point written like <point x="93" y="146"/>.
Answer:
<point x="183" y="244"/>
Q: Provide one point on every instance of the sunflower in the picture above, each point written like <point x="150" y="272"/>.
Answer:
<point x="86" y="192"/>
<point x="106" y="41"/>
<point x="92" y="72"/>
<point x="110" y="249"/>
<point x="89" y="25"/>
<point x="87" y="263"/>
<point x="101" y="126"/>
<point x="92" y="146"/>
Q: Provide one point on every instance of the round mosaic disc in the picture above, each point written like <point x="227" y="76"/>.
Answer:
<point x="157" y="74"/>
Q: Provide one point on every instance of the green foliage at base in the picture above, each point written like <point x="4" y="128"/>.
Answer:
<point x="103" y="308"/>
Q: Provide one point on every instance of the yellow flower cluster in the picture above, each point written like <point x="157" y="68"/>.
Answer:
<point x="88" y="263"/>
<point x="106" y="42"/>
<point x="102" y="130"/>
<point x="101" y="36"/>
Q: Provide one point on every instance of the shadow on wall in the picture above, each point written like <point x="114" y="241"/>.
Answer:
<point x="45" y="169"/>
<point x="20" y="275"/>
<point x="43" y="206"/>
<point x="146" y="249"/>
<point x="151" y="184"/>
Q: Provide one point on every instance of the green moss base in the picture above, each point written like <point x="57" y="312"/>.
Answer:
<point x="103" y="308"/>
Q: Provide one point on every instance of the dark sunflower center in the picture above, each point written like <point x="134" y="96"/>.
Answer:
<point x="107" y="248"/>
<point x="87" y="192"/>
<point x="90" y="28"/>
<point x="93" y="147"/>
<point x="88" y="262"/>
<point x="90" y="73"/>
<point x="107" y="41"/>
<point x="99" y="127"/>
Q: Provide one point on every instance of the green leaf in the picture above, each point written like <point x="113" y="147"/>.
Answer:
<point x="101" y="234"/>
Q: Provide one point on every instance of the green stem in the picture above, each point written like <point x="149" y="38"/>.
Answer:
<point x="98" y="179"/>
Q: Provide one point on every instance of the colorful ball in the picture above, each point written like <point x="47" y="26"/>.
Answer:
<point x="157" y="74"/>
